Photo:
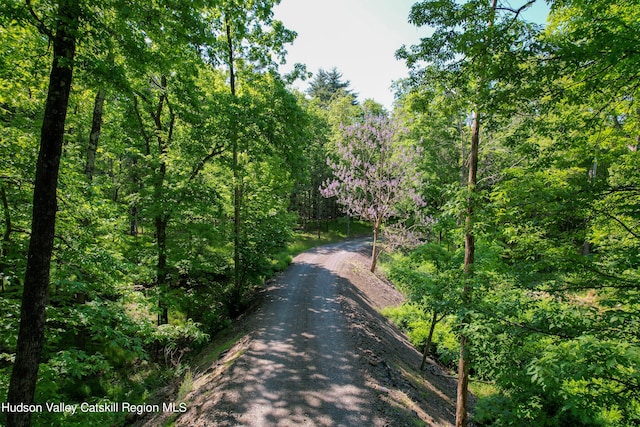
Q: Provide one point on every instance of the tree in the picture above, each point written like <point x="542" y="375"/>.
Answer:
<point x="250" y="37"/>
<point x="62" y="23"/>
<point x="375" y="175"/>
<point x="479" y="46"/>
<point x="555" y="224"/>
<point x="569" y="215"/>
<point x="143" y="219"/>
<point x="36" y="283"/>
<point x="305" y="198"/>
<point x="437" y="117"/>
<point x="332" y="104"/>
<point x="328" y="84"/>
<point x="429" y="276"/>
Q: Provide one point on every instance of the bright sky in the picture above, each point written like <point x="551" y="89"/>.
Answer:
<point x="358" y="37"/>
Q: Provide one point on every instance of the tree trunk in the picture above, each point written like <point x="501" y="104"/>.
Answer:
<point x="34" y="299"/>
<point x="467" y="291"/>
<point x="161" y="269"/>
<point x="425" y="353"/>
<point x="469" y="257"/>
<point x="463" y="383"/>
<point x="586" y="244"/>
<point x="6" y="236"/>
<point x="94" y="136"/>
<point x="89" y="169"/>
<point x="374" y="251"/>
<point x="237" y="189"/>
<point x="133" y="221"/>
<point x="161" y="218"/>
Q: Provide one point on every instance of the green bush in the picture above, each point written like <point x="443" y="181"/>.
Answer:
<point x="412" y="319"/>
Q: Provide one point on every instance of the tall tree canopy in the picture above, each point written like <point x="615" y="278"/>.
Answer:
<point x="478" y="47"/>
<point x="327" y="85"/>
<point x="139" y="265"/>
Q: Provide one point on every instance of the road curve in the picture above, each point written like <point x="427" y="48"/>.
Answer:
<point x="301" y="368"/>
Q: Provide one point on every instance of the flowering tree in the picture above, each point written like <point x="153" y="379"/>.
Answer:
<point x="375" y="177"/>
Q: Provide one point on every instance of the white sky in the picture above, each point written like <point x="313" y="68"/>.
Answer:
<point x="358" y="37"/>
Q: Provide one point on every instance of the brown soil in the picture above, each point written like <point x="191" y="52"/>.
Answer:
<point x="315" y="351"/>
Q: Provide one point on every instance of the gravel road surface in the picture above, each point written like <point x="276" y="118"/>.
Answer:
<point x="316" y="352"/>
<point x="301" y="368"/>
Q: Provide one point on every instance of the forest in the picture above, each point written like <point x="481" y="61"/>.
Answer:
<point x="157" y="167"/>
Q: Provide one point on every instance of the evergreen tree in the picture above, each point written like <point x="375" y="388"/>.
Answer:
<point x="327" y="85"/>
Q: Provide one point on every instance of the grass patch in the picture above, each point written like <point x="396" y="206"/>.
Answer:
<point x="482" y="389"/>
<point x="412" y="319"/>
<point x="220" y="343"/>
<point x="186" y="386"/>
<point x="331" y="232"/>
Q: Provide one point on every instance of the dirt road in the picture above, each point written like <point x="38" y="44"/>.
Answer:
<point x="319" y="354"/>
<point x="301" y="369"/>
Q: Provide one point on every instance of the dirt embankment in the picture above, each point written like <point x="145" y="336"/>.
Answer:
<point x="316" y="352"/>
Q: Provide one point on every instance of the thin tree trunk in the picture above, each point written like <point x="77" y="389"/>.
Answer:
<point x="161" y="218"/>
<point x="427" y="346"/>
<point x="586" y="244"/>
<point x="469" y="257"/>
<point x="374" y="251"/>
<point x="237" y="190"/>
<point x="36" y="284"/>
<point x="94" y="136"/>
<point x="161" y="242"/>
<point x="161" y="269"/>
<point x="6" y="236"/>
<point x="467" y="291"/>
<point x="464" y="168"/>
<point x="463" y="383"/>
<point x="89" y="169"/>
<point x="133" y="221"/>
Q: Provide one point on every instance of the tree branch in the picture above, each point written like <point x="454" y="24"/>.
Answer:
<point x="218" y="150"/>
<point x="517" y="11"/>
<point x="637" y="236"/>
<point x="622" y="283"/>
<point x="530" y="328"/>
<point x="39" y="23"/>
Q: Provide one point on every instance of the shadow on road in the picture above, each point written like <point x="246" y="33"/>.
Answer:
<point x="301" y="369"/>
<point x="395" y="363"/>
<point x="319" y="355"/>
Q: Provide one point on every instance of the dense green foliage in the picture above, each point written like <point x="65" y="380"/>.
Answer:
<point x="188" y="166"/>
<point x="553" y="321"/>
<point x="178" y="125"/>
<point x="143" y="267"/>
